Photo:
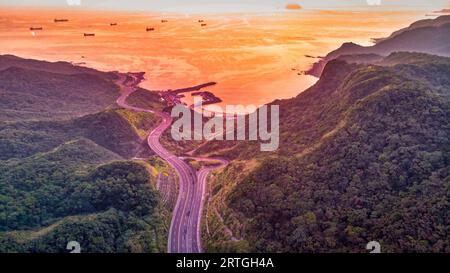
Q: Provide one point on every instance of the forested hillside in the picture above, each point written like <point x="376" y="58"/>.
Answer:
<point x="364" y="155"/>
<point x="63" y="146"/>
<point x="116" y="206"/>
<point x="35" y="94"/>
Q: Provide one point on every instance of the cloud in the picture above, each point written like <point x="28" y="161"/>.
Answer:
<point x="293" y="6"/>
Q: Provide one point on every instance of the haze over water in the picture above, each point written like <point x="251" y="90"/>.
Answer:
<point x="254" y="58"/>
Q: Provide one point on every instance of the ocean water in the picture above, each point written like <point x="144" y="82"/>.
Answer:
<point x="254" y="58"/>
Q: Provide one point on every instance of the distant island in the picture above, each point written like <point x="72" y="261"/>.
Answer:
<point x="208" y="97"/>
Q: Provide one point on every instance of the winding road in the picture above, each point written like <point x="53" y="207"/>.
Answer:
<point x="184" y="234"/>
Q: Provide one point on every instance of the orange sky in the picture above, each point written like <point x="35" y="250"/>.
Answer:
<point x="252" y="57"/>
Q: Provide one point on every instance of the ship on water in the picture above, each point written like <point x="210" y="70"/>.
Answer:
<point x="60" y="20"/>
<point x="36" y="28"/>
<point x="113" y="24"/>
<point x="150" y="29"/>
<point x="89" y="34"/>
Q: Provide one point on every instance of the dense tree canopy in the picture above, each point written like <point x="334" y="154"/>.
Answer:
<point x="62" y="171"/>
<point x="364" y="157"/>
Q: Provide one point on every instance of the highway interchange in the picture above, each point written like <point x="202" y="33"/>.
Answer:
<point x="185" y="229"/>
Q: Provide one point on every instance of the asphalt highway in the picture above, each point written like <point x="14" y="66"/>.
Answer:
<point x="184" y="234"/>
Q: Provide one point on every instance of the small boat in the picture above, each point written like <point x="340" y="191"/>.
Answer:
<point x="150" y="29"/>
<point x="164" y="21"/>
<point x="89" y="34"/>
<point x="36" y="28"/>
<point x="203" y="25"/>
<point x="60" y="20"/>
<point x="201" y="21"/>
<point x="113" y="24"/>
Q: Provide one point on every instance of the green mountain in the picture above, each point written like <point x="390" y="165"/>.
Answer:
<point x="36" y="94"/>
<point x="63" y="145"/>
<point x="112" y="129"/>
<point x="7" y="61"/>
<point x="364" y="155"/>
<point x="61" y="196"/>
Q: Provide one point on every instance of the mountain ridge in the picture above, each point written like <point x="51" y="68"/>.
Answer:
<point x="432" y="38"/>
<point x="64" y="174"/>
<point x="362" y="154"/>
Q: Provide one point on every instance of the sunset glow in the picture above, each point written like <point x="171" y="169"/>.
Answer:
<point x="254" y="58"/>
<point x="246" y="129"/>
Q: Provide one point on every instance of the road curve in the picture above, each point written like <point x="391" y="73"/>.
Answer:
<point x="184" y="234"/>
